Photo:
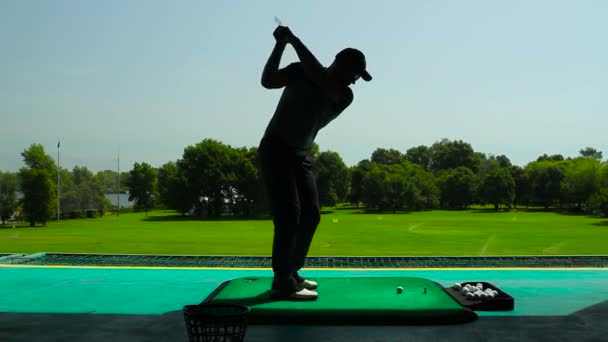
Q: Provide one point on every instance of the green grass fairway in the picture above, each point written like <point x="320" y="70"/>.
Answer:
<point x="341" y="232"/>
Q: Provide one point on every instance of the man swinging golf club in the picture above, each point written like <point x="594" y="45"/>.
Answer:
<point x="313" y="96"/>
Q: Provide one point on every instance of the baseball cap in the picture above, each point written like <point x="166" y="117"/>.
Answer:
<point x="355" y="59"/>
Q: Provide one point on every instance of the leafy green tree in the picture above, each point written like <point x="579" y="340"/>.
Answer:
<point x="375" y="187"/>
<point x="599" y="200"/>
<point x="34" y="157"/>
<point x="90" y="189"/>
<point x="546" y="157"/>
<point x="446" y="154"/>
<point x="545" y="179"/>
<point x="458" y="187"/>
<point x="581" y="181"/>
<point x="590" y="152"/>
<point x="332" y="178"/>
<point x="70" y="196"/>
<point x="211" y="178"/>
<point x="109" y="180"/>
<point x="522" y="186"/>
<point x="142" y="186"/>
<point x="398" y="188"/>
<point x="82" y="191"/>
<point x="420" y="155"/>
<point x="357" y="175"/>
<point x="424" y="192"/>
<point x="38" y="185"/>
<point x="9" y="183"/>
<point x="498" y="187"/>
<point x="247" y="185"/>
<point x="39" y="201"/>
<point x="486" y="164"/>
<point x="503" y="161"/>
<point x="173" y="188"/>
<point x="387" y="156"/>
<point x="490" y="163"/>
<point x="208" y="170"/>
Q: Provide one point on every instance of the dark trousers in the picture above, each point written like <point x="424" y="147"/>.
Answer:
<point x="294" y="201"/>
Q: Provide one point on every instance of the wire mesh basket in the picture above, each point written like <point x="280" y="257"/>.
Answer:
<point x="216" y="322"/>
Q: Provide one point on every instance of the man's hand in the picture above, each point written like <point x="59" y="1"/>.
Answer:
<point x="283" y="34"/>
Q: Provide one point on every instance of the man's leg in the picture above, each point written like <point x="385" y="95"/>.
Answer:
<point x="310" y="214"/>
<point x="279" y="179"/>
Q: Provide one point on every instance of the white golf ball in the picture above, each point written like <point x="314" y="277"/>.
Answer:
<point x="399" y="289"/>
<point x="457" y="286"/>
<point x="470" y="296"/>
<point x="465" y="290"/>
<point x="479" y="286"/>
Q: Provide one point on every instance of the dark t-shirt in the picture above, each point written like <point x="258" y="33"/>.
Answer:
<point x="302" y="111"/>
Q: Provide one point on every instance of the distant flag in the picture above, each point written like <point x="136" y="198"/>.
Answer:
<point x="58" y="143"/>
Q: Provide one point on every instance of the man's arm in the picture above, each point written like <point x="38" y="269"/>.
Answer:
<point x="271" y="77"/>
<point x="313" y="68"/>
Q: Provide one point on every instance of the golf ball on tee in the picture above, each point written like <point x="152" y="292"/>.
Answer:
<point x="399" y="289"/>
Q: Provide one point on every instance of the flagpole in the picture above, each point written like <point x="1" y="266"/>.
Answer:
<point x="58" y="181"/>
<point x="118" y="196"/>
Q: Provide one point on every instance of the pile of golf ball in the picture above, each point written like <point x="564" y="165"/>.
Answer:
<point x="475" y="292"/>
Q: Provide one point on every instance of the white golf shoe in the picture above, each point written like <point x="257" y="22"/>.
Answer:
<point x="308" y="284"/>
<point x="299" y="294"/>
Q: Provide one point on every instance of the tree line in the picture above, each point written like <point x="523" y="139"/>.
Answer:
<point x="82" y="192"/>
<point x="213" y="179"/>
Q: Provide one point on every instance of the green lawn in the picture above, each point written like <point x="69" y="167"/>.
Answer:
<point x="341" y="232"/>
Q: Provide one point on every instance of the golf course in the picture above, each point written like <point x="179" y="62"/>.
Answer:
<point x="342" y="232"/>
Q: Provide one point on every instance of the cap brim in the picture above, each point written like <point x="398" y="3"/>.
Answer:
<point x="366" y="76"/>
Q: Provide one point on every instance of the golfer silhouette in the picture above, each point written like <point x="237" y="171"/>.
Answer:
<point x="313" y="97"/>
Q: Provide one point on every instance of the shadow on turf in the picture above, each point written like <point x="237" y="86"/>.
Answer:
<point x="534" y="210"/>
<point x="363" y="211"/>
<point x="20" y="226"/>
<point x="262" y="298"/>
<point x="177" y="218"/>
<point x="512" y="210"/>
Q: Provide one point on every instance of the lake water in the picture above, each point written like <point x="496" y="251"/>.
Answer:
<point x="124" y="200"/>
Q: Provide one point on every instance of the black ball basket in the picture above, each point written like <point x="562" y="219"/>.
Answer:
<point x="216" y="322"/>
<point x="502" y="302"/>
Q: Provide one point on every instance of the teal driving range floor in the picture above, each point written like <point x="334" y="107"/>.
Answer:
<point x="158" y="291"/>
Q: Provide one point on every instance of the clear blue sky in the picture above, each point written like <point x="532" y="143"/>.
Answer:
<point x="519" y="78"/>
